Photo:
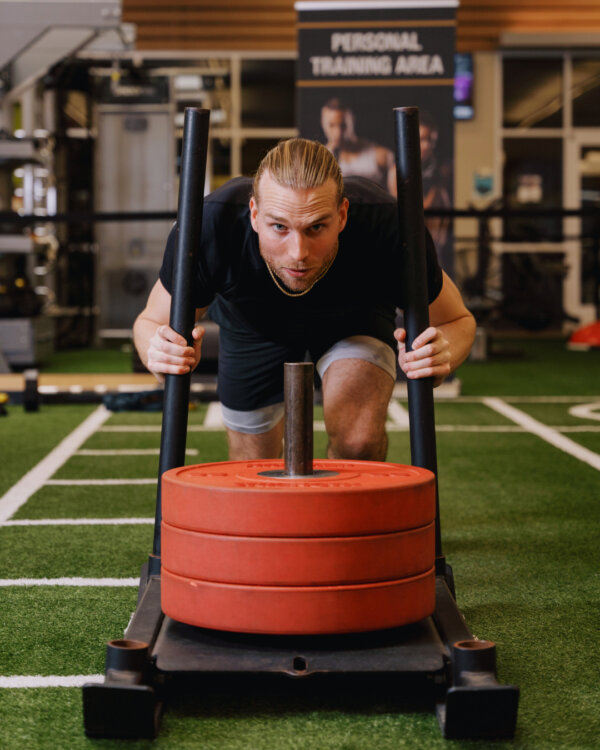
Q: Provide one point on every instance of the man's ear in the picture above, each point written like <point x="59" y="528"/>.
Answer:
<point x="343" y="213"/>
<point x="254" y="214"/>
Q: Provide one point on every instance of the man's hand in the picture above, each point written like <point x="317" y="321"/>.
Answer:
<point x="168" y="352"/>
<point x="430" y="355"/>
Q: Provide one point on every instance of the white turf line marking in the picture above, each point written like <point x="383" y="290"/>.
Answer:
<point x="45" y="681"/>
<point x="111" y="582"/>
<point x="19" y="493"/>
<point x="129" y="452"/>
<point x="79" y="522"/>
<point x="214" y="416"/>
<point x="398" y="414"/>
<point x="543" y="431"/>
<point x="586" y="411"/>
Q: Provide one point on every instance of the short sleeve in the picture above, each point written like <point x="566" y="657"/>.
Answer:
<point x="203" y="292"/>
<point x="434" y="271"/>
<point x="166" y="270"/>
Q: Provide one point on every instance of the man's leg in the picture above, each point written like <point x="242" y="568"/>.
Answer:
<point x="356" y="394"/>
<point x="246" y="447"/>
<point x="250" y="375"/>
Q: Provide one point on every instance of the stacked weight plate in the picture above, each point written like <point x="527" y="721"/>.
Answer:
<point x="349" y="548"/>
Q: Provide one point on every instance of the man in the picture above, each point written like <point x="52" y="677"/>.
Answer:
<point x="297" y="261"/>
<point x="436" y="182"/>
<point x="356" y="156"/>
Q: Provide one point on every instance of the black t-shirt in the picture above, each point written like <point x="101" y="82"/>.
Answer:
<point x="357" y="296"/>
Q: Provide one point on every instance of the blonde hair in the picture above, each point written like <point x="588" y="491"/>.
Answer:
<point x="300" y="164"/>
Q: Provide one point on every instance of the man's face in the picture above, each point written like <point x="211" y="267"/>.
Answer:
<point x="334" y="124"/>
<point x="297" y="229"/>
<point x="428" y="139"/>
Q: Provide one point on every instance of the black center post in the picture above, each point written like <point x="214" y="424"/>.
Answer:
<point x="415" y="294"/>
<point x="189" y="228"/>
<point x="298" y="430"/>
<point x="298" y="397"/>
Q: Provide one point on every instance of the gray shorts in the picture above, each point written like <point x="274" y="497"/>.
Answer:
<point x="368" y="348"/>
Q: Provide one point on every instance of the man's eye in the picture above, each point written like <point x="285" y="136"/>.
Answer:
<point x="317" y="227"/>
<point x="279" y="227"/>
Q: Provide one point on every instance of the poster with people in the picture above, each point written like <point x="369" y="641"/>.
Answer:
<point x="357" y="62"/>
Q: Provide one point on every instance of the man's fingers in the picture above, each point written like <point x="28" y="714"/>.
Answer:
<point x="400" y="335"/>
<point x="170" y="354"/>
<point x="166" y="368"/>
<point x="424" y="337"/>
<point x="168" y="334"/>
<point x="168" y="341"/>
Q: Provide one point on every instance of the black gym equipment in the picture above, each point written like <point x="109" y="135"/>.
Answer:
<point x="440" y="648"/>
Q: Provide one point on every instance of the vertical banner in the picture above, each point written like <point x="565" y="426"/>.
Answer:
<point x="357" y="60"/>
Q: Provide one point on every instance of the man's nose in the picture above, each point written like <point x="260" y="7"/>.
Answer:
<point x="298" y="246"/>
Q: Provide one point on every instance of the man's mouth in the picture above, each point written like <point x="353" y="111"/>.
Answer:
<point x="297" y="273"/>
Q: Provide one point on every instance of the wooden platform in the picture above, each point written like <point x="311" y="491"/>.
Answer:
<point x="82" y="382"/>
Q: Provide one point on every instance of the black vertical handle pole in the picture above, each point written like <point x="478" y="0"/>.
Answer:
<point x="414" y="289"/>
<point x="596" y="262"/>
<point x="189" y="227"/>
<point x="298" y="380"/>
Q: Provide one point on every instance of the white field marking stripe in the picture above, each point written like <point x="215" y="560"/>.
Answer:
<point x="129" y="452"/>
<point x="398" y="414"/>
<point x="214" y="416"/>
<point x="586" y="411"/>
<point x="579" y="428"/>
<point x="97" y="482"/>
<point x="543" y="431"/>
<point x="20" y="492"/>
<point x="79" y="522"/>
<point x="111" y="582"/>
<point x="44" y="681"/>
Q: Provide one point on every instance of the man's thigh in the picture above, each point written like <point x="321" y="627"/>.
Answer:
<point x="356" y="395"/>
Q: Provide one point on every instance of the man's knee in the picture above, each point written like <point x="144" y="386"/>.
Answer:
<point x="245" y="446"/>
<point x="370" y="445"/>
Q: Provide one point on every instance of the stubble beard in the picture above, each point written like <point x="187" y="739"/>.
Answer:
<point x="301" y="285"/>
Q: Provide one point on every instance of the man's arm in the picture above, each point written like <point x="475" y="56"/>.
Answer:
<point x="441" y="348"/>
<point x="161" y="349"/>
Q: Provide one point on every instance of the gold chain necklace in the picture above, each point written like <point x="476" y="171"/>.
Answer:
<point x="304" y="291"/>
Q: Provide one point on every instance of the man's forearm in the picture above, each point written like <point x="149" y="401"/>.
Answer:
<point x="460" y="334"/>
<point x="143" y="330"/>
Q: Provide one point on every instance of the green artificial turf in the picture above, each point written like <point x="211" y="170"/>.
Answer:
<point x="451" y="413"/>
<point x="591" y="441"/>
<point x="125" y="441"/>
<point x="532" y="367"/>
<point x="105" y="467"/>
<point x="210" y="447"/>
<point x="61" y="630"/>
<point x="118" y="501"/>
<point x="88" y="551"/>
<point x="196" y="415"/>
<point x="558" y="414"/>
<point x="520" y="526"/>
<point x="27" y="437"/>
